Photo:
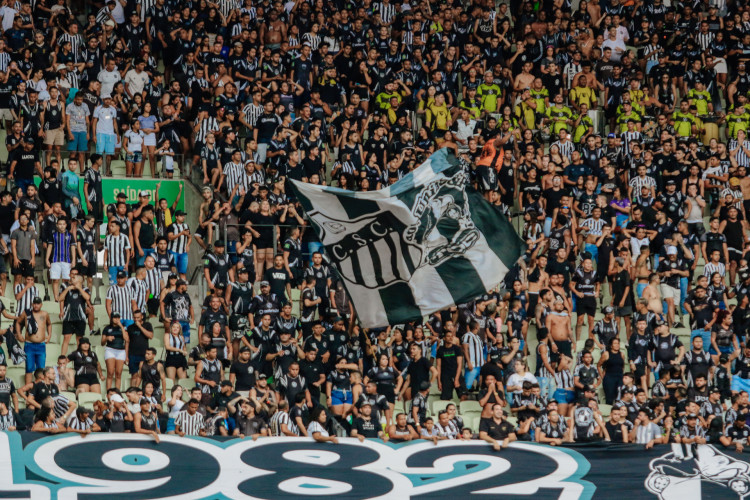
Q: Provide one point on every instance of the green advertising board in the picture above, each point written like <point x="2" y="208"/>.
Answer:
<point x="169" y="189"/>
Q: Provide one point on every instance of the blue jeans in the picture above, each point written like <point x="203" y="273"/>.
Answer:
<point x="113" y="270"/>
<point x="546" y="385"/>
<point x="547" y="226"/>
<point x="683" y="294"/>
<point x="470" y="376"/>
<point x="24" y="183"/>
<point x="705" y="335"/>
<point x="146" y="253"/>
<point x="180" y="262"/>
<point x="639" y="287"/>
<point x="185" y="330"/>
<point x="36" y="355"/>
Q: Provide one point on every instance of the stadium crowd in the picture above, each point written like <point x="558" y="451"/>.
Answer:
<point x="613" y="134"/>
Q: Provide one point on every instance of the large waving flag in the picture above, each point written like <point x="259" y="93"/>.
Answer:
<point x="422" y="244"/>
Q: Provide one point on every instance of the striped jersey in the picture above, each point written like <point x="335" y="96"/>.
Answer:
<point x="116" y="246"/>
<point x="191" y="425"/>
<point x="121" y="297"/>
<point x="61" y="244"/>
<point x="24" y="303"/>
<point x="179" y="244"/>
<point x="138" y="292"/>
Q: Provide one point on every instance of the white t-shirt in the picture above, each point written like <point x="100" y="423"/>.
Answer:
<point x="108" y="80"/>
<point x="135" y="81"/>
<point x="518" y="380"/>
<point x="135" y="141"/>
<point x="106" y="117"/>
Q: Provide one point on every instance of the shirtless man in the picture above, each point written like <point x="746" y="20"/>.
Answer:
<point x="273" y="32"/>
<point x="653" y="295"/>
<point x="525" y="78"/>
<point x="745" y="188"/>
<point x="556" y="282"/>
<point x="560" y="330"/>
<point x="38" y="331"/>
<point x="642" y="270"/>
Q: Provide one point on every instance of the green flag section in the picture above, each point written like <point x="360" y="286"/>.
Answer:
<point x="169" y="189"/>
<point x="427" y="242"/>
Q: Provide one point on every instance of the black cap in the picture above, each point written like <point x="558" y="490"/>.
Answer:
<point x="242" y="270"/>
<point x="219" y="243"/>
<point x="122" y="274"/>
<point x="172" y="276"/>
<point x="262" y="376"/>
<point x="671" y="182"/>
<point x="244" y="348"/>
<point x="37" y="300"/>
<point x="115" y="314"/>
<point x="264" y="283"/>
<point x="714" y="390"/>
<point x="226" y="383"/>
<point x="692" y="415"/>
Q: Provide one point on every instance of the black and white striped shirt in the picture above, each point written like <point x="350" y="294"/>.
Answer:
<point x="594" y="226"/>
<point x="476" y="352"/>
<point x="312" y="39"/>
<point x="227" y="6"/>
<point x="711" y="268"/>
<point x="153" y="281"/>
<point x="121" y="297"/>
<point x="566" y="148"/>
<point x="638" y="182"/>
<point x="79" y="425"/>
<point x="4" y="61"/>
<point x="76" y="44"/>
<point x="179" y="244"/>
<point x="138" y="292"/>
<point x="387" y="11"/>
<point x="24" y="303"/>
<point x="116" y="247"/>
<point x="252" y="112"/>
<point x="191" y="425"/>
<point x="207" y="125"/>
<point x="628" y="138"/>
<point x="146" y="6"/>
<point x="743" y="160"/>
<point x="7" y="421"/>
<point x="704" y="40"/>
<point x="280" y="418"/>
<point x="235" y="174"/>
<point x="564" y="379"/>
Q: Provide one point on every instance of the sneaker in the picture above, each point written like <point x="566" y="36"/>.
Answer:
<point x="95" y="333"/>
<point x="678" y="325"/>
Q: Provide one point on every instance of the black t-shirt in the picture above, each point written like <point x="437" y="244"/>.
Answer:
<point x="495" y="430"/>
<point x="620" y="283"/>
<point x="419" y="372"/>
<point x="448" y="357"/>
<point x="366" y="428"/>
<point x="245" y="375"/>
<point x="7" y="389"/>
<point x="138" y="341"/>
<point x="615" y="432"/>
<point x="41" y="390"/>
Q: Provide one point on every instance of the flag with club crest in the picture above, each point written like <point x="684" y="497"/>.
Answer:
<point x="420" y="245"/>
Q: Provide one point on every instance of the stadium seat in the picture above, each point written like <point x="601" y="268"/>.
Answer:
<point x="469" y="407"/>
<point x="439" y="405"/>
<point x="17" y="374"/>
<point x="186" y="383"/>
<point x="71" y="396"/>
<point x="605" y="409"/>
<point x="88" y="398"/>
<point x="472" y="421"/>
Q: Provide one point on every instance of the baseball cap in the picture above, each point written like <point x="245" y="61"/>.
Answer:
<point x="37" y="300"/>
<point x="264" y="283"/>
<point x="692" y="415"/>
<point x="219" y="243"/>
<point x="611" y="136"/>
<point x="226" y="383"/>
<point x="671" y="250"/>
<point x="242" y="270"/>
<point x="61" y="67"/>
<point x="609" y="310"/>
<point x="144" y="193"/>
<point x="262" y="376"/>
<point x="671" y="182"/>
<point x="116" y="398"/>
<point x="106" y="96"/>
<point x="244" y="348"/>
<point x="115" y="314"/>
<point x="122" y="274"/>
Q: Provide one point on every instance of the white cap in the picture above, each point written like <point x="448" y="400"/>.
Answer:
<point x="116" y="398"/>
<point x="671" y="250"/>
<point x="106" y="96"/>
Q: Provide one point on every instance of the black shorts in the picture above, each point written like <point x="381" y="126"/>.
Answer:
<point x="87" y="271"/>
<point x="388" y="391"/>
<point x="24" y="269"/>
<point x="74" y="327"/>
<point x="586" y="305"/>
<point x="88" y="379"/>
<point x="734" y="255"/>
<point x="640" y="370"/>
<point x="563" y="347"/>
<point x="176" y="361"/>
